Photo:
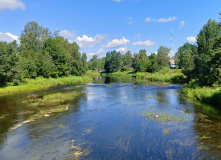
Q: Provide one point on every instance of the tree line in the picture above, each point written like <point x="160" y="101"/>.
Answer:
<point x="201" y="63"/>
<point x="115" y="61"/>
<point x="40" y="53"/>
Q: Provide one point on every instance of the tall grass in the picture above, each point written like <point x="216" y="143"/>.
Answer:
<point x="92" y="73"/>
<point x="165" y="75"/>
<point x="39" y="83"/>
<point x="204" y="94"/>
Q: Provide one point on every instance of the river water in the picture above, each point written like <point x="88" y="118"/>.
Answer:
<point x="112" y="118"/>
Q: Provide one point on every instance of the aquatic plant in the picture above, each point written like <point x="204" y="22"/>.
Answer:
<point x="165" y="118"/>
<point x="166" y="131"/>
<point x="149" y="96"/>
<point x="130" y="104"/>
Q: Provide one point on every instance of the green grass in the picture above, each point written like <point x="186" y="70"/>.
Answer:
<point x="92" y="73"/>
<point x="165" y="75"/>
<point x="205" y="94"/>
<point x="40" y="83"/>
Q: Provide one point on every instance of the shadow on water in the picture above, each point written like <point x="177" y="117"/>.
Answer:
<point x="111" y="118"/>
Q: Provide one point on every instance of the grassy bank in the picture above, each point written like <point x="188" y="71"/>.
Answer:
<point x="92" y="73"/>
<point x="39" y="83"/>
<point x="166" y="75"/>
<point x="205" y="94"/>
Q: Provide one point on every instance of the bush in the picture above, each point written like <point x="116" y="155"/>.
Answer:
<point x="125" y="68"/>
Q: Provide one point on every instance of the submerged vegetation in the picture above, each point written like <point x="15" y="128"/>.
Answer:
<point x="47" y="105"/>
<point x="165" y="118"/>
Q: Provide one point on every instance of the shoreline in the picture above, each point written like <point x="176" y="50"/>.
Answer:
<point x="43" y="83"/>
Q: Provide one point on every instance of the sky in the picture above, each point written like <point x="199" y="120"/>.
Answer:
<point x="99" y="26"/>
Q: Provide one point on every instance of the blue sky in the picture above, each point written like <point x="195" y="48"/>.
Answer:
<point x="99" y="26"/>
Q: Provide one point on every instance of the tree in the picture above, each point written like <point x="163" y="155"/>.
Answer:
<point x="127" y="58"/>
<point x="27" y="64"/>
<point x="185" y="56"/>
<point x="113" y="61"/>
<point x="213" y="78"/>
<point x="8" y="62"/>
<point x="153" y="65"/>
<point x="52" y="48"/>
<point x="142" y="62"/>
<point x="162" y="57"/>
<point x="33" y="36"/>
<point x="208" y="40"/>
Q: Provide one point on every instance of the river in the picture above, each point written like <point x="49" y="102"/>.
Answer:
<point x="112" y="118"/>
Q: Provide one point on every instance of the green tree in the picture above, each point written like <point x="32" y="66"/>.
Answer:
<point x="162" y="57"/>
<point x="45" y="65"/>
<point x="208" y="40"/>
<point x="153" y="65"/>
<point x="185" y="56"/>
<point x="213" y="78"/>
<point x="33" y="36"/>
<point x="27" y="64"/>
<point x="127" y="58"/>
<point x="52" y="48"/>
<point x="8" y="62"/>
<point x="113" y="61"/>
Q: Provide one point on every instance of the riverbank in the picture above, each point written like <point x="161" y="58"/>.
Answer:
<point x="41" y="83"/>
<point x="167" y="75"/>
<point x="204" y="94"/>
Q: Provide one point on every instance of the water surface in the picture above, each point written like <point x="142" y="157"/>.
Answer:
<point x="112" y="118"/>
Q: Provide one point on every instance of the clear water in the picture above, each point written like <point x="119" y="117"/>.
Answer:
<point x="112" y="119"/>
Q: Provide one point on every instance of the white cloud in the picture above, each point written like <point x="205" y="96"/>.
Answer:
<point x="131" y="20"/>
<point x="164" y="20"/>
<point x="117" y="0"/>
<point x="181" y="24"/>
<point x="96" y="53"/>
<point x="8" y="37"/>
<point x="144" y="43"/>
<point x="11" y="4"/>
<point x="100" y="51"/>
<point x="148" y="19"/>
<point x="122" y="49"/>
<point x="66" y="34"/>
<point x="191" y="39"/>
<point x="89" y="42"/>
<point x="117" y="43"/>
<point x="137" y="36"/>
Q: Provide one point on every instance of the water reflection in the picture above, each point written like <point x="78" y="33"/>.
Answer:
<point x="107" y="122"/>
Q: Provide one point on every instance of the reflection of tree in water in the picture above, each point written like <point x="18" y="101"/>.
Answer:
<point x="43" y="127"/>
<point x="117" y="79"/>
<point x="13" y="113"/>
<point x="162" y="96"/>
<point x="8" y="114"/>
<point x="208" y="136"/>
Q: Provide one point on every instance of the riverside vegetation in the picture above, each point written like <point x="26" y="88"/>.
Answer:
<point x="43" y="54"/>
<point x="199" y="65"/>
